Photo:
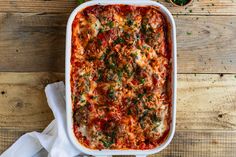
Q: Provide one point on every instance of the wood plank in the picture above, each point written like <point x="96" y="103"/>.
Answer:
<point x="205" y="102"/>
<point x="36" y="42"/>
<point x="31" y="42"/>
<point x="23" y="102"/>
<point x="206" y="44"/>
<point x="33" y="51"/>
<point x="188" y="143"/>
<point x="198" y="7"/>
<point x="51" y="6"/>
<point x="200" y="143"/>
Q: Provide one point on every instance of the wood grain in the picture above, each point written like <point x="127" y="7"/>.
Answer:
<point x="36" y="42"/>
<point x="23" y="102"/>
<point x="198" y="7"/>
<point x="206" y="44"/>
<point x="205" y="102"/>
<point x="199" y="143"/>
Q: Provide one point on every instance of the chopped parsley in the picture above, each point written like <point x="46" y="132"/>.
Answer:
<point x="140" y="96"/>
<point x="110" y="24"/>
<point x="112" y="65"/>
<point x="120" y="74"/>
<point x="135" y="101"/>
<point x="103" y="56"/>
<point x="107" y="144"/>
<point x="150" y="97"/>
<point x="143" y="29"/>
<point x="100" y="75"/>
<point x="101" y="30"/>
<point x="130" y="22"/>
<point x="119" y="40"/>
<point x="188" y="33"/>
<point x="154" y="118"/>
<point x="142" y="81"/>
<point x="80" y="1"/>
<point x="111" y="93"/>
<point x="129" y="72"/>
<point x="129" y="111"/>
<point x="181" y="2"/>
<point x="135" y="55"/>
<point x="99" y="42"/>
<point x="127" y="35"/>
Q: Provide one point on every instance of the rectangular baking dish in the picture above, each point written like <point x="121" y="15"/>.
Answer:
<point x="107" y="152"/>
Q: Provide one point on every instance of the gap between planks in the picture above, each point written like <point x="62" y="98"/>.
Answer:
<point x="27" y="43"/>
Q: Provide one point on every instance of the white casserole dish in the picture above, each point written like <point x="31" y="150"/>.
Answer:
<point x="107" y="152"/>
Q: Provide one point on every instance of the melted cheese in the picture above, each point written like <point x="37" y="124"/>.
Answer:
<point x="119" y="68"/>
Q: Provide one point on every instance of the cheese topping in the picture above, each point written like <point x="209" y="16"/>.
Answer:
<point x="120" y="65"/>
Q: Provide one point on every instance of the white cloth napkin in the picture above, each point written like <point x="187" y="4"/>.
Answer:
<point x="53" y="141"/>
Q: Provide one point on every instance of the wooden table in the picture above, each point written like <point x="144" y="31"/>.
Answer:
<point x="32" y="43"/>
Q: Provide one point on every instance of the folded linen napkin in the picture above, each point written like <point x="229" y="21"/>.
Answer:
<point x="53" y="141"/>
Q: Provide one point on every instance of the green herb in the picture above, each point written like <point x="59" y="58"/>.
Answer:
<point x="126" y="68"/>
<point x="129" y="111"/>
<point x="135" y="55"/>
<point x="140" y="96"/>
<point x="108" y="50"/>
<point x="155" y="118"/>
<point x="103" y="56"/>
<point x="147" y="40"/>
<point x="82" y="100"/>
<point x="188" y="33"/>
<point x="142" y="124"/>
<point x="135" y="101"/>
<point x="111" y="93"/>
<point x="110" y="24"/>
<point x="181" y="2"/>
<point x="94" y="97"/>
<point x="99" y="42"/>
<point x="107" y="144"/>
<point x="141" y="119"/>
<point x="126" y="35"/>
<point x="149" y="98"/>
<point x="119" y="40"/>
<point x="191" y="11"/>
<point x="74" y="98"/>
<point x="143" y="29"/>
<point x="112" y="65"/>
<point x="120" y="74"/>
<point x="100" y="75"/>
<point x="142" y="81"/>
<point x="91" y="58"/>
<point x="234" y="76"/>
<point x="80" y="1"/>
<point x="130" y="22"/>
<point x="101" y="30"/>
